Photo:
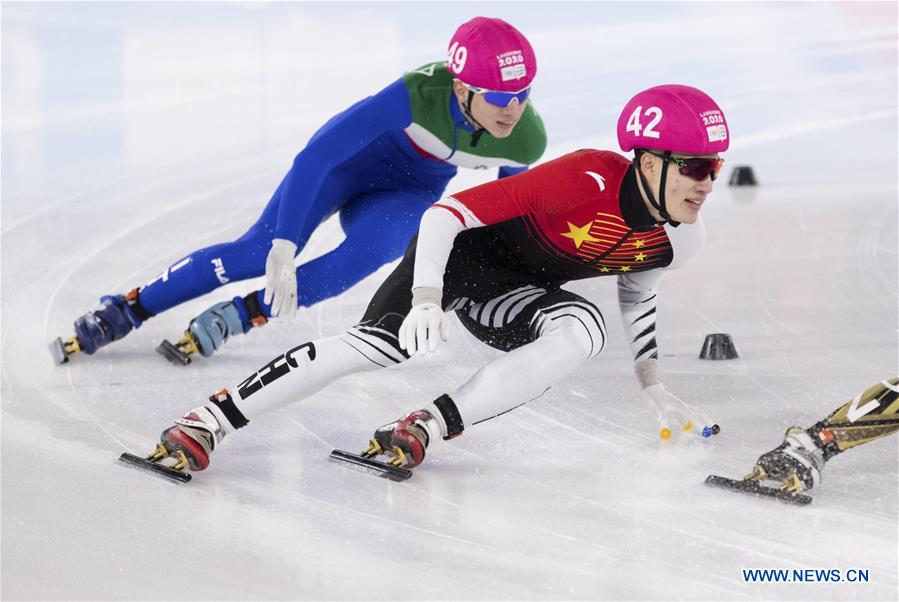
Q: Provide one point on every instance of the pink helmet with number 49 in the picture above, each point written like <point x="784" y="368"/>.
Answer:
<point x="491" y="54"/>
<point x="674" y="118"/>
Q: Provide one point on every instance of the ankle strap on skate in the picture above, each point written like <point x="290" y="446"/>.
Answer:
<point x="222" y="400"/>
<point x="255" y="315"/>
<point x="132" y="300"/>
<point x="451" y="416"/>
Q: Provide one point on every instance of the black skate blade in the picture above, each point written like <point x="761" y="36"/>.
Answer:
<point x="755" y="488"/>
<point x="381" y="469"/>
<point x="58" y="350"/>
<point x="155" y="467"/>
<point x="172" y="353"/>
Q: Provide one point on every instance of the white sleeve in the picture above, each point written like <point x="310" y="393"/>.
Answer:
<point x="436" y="235"/>
<point x="637" y="301"/>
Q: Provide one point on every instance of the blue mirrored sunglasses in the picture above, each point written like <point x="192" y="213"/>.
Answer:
<point x="502" y="99"/>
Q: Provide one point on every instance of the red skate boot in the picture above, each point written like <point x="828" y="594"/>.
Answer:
<point x="405" y="440"/>
<point x="190" y="442"/>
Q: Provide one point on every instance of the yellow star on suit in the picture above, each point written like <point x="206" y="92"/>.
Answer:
<point x="579" y="235"/>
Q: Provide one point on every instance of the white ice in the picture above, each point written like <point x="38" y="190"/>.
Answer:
<point x="133" y="133"/>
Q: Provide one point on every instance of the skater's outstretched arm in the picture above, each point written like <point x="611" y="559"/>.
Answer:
<point x="637" y="300"/>
<point x="338" y="140"/>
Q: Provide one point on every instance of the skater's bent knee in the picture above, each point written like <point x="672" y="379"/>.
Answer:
<point x="575" y="338"/>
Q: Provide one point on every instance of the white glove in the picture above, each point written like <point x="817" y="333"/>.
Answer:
<point x="673" y="411"/>
<point x="281" y="279"/>
<point x="425" y="324"/>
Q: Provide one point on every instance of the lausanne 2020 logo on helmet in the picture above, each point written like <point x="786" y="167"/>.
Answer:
<point x="511" y="65"/>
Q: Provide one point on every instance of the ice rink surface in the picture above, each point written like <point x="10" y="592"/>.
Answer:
<point x="135" y="133"/>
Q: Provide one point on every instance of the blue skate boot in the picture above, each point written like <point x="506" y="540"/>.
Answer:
<point x="212" y="328"/>
<point x="116" y="316"/>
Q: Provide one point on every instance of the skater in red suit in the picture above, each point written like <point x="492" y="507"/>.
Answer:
<point x="497" y="255"/>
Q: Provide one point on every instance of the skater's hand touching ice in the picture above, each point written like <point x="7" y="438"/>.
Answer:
<point x="281" y="279"/>
<point x="672" y="413"/>
<point x="676" y="416"/>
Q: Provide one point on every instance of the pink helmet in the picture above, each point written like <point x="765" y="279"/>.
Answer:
<point x="491" y="54"/>
<point x="673" y="118"/>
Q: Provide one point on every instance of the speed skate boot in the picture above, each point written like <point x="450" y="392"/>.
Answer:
<point x="194" y="437"/>
<point x="116" y="316"/>
<point x="796" y="464"/>
<point x="405" y="441"/>
<point x="212" y="329"/>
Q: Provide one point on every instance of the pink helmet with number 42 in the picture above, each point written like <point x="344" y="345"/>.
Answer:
<point x="679" y="119"/>
<point x="491" y="54"/>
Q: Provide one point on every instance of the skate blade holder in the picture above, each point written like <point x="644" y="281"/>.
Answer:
<point x="178" y="354"/>
<point x="152" y="464"/>
<point x="395" y="458"/>
<point x="61" y="350"/>
<point x="753" y="487"/>
<point x="370" y="466"/>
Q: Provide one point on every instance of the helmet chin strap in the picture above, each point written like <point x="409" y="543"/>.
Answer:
<point x="480" y="129"/>
<point x="660" y="205"/>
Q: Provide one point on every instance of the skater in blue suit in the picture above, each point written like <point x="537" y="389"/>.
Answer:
<point x="379" y="164"/>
